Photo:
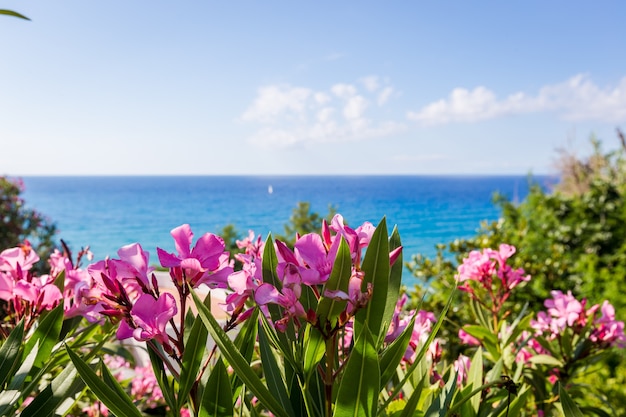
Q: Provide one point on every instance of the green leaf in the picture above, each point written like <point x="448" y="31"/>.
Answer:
<point x="570" y="409"/>
<point x="217" y="398"/>
<point x="422" y="352"/>
<point x="413" y="401"/>
<point x="111" y="397"/>
<point x="274" y="379"/>
<point x="545" y="360"/>
<point x="161" y="376"/>
<point x="47" y="334"/>
<point x="360" y="383"/>
<point x="62" y="387"/>
<point x="393" y="354"/>
<point x="376" y="271"/>
<point x="25" y="368"/>
<point x="10" y="353"/>
<point x="314" y="349"/>
<point x="8" y="401"/>
<point x="12" y="13"/>
<point x="475" y="377"/>
<point x="237" y="361"/>
<point x="440" y="406"/>
<point x="395" y="283"/>
<point x="328" y="309"/>
<point x="192" y="359"/>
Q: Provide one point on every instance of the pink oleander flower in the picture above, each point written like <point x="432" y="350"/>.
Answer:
<point x="148" y="318"/>
<point x="421" y="331"/>
<point x="564" y="309"/>
<point x="462" y="366"/>
<point x="288" y="298"/>
<point x="607" y="330"/>
<point x="16" y="261"/>
<point x="357" y="239"/>
<point x="145" y="387"/>
<point x="207" y="263"/>
<point x="251" y="245"/>
<point x="468" y="339"/>
<point x="355" y="297"/>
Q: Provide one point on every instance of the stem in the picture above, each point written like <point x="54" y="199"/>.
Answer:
<point x="331" y="349"/>
<point x="156" y="350"/>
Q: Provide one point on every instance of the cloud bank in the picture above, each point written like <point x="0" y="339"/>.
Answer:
<point x="575" y="99"/>
<point x="290" y="115"/>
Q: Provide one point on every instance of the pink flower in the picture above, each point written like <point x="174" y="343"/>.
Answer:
<point x="149" y="318"/>
<point x="207" y="263"/>
<point x="468" y="339"/>
<point x="608" y="330"/>
<point x="563" y="308"/>
<point x="17" y="260"/>
<point x="462" y="366"/>
<point x="287" y="298"/>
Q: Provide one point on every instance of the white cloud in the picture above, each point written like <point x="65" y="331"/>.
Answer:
<point x="575" y="99"/>
<point x="276" y="101"/>
<point x="297" y="115"/>
<point x="370" y="83"/>
<point x="384" y="95"/>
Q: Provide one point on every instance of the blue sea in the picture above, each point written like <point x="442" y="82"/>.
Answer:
<point x="109" y="212"/>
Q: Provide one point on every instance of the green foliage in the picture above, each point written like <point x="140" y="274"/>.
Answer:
<point x="19" y="223"/>
<point x="12" y="13"/>
<point x="573" y="238"/>
<point x="303" y="221"/>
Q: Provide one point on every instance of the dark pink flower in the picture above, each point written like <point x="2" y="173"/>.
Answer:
<point x="207" y="263"/>
<point x="149" y="318"/>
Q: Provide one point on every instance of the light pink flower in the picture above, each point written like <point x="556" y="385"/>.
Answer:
<point x="462" y="366"/>
<point x="468" y="339"/>
<point x="564" y="308"/>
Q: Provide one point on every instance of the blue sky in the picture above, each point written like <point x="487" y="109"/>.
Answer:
<point x="269" y="87"/>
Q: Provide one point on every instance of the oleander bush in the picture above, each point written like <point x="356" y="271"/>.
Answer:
<point x="317" y="328"/>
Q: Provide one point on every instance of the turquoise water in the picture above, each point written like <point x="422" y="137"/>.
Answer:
<point x="108" y="212"/>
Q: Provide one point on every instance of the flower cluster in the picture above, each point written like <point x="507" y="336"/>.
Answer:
<point x="565" y="312"/>
<point x="27" y="295"/>
<point x="487" y="272"/>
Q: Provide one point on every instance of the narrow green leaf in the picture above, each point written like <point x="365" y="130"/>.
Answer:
<point x="10" y="353"/>
<point x="545" y="360"/>
<point x="62" y="387"/>
<point x="393" y="354"/>
<point x="192" y="359"/>
<point x="25" y="368"/>
<point x="120" y="405"/>
<point x="274" y="379"/>
<point x="570" y="409"/>
<point x="270" y="262"/>
<point x="217" y="398"/>
<point x="360" y="384"/>
<point x="475" y="377"/>
<point x="411" y="404"/>
<point x="395" y="283"/>
<point x="314" y="349"/>
<point x="422" y="352"/>
<point x="440" y="405"/>
<point x="328" y="309"/>
<point x="376" y="272"/>
<point x="8" y="401"/>
<point x="12" y="13"/>
<point x="47" y="334"/>
<point x="161" y="376"/>
<point x="237" y="361"/>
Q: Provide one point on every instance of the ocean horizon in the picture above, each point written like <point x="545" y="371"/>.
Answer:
<point x="107" y="212"/>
